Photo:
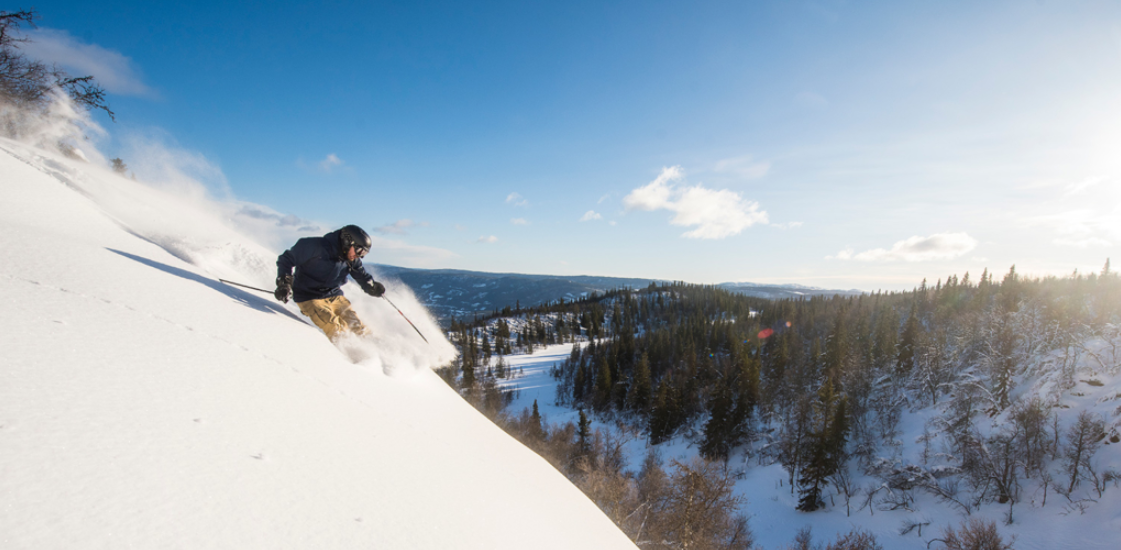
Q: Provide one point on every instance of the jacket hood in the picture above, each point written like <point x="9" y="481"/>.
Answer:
<point x="331" y="243"/>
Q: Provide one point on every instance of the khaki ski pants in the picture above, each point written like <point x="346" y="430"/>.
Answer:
<point x="334" y="315"/>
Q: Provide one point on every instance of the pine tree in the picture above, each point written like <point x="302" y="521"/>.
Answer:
<point x="638" y="397"/>
<point x="603" y="386"/>
<point x="1001" y="357"/>
<point x="583" y="435"/>
<point x="905" y="361"/>
<point x="730" y="408"/>
<point x="837" y="347"/>
<point x="1010" y="291"/>
<point x="579" y="383"/>
<point x="720" y="430"/>
<point x="825" y="452"/>
<point x="537" y="430"/>
<point x="665" y="415"/>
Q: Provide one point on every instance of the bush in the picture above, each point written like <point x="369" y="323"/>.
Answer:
<point x="855" y="540"/>
<point x="974" y="534"/>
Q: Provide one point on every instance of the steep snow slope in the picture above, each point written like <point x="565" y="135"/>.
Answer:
<point x="143" y="404"/>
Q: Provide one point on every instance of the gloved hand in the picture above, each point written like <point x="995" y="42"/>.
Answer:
<point x="283" y="288"/>
<point x="374" y="289"/>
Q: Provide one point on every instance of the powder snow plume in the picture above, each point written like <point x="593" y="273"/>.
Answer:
<point x="180" y="201"/>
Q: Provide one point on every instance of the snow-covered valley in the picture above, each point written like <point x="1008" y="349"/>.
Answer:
<point x="908" y="519"/>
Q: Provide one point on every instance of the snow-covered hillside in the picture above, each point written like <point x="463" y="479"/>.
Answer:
<point x="145" y="405"/>
<point x="1042" y="519"/>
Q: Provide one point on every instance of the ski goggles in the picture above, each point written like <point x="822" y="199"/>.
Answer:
<point x="361" y="251"/>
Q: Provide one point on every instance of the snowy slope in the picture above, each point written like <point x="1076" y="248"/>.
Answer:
<point x="143" y="404"/>
<point x="1095" y="524"/>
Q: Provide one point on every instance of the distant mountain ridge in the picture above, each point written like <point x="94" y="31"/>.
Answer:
<point x="459" y="293"/>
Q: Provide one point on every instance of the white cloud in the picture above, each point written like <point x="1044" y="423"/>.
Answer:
<point x="744" y="166"/>
<point x="591" y="215"/>
<point x="1082" y="243"/>
<point x="396" y="228"/>
<point x="1082" y="228"/>
<point x="487" y="239"/>
<point x="392" y="251"/>
<point x="516" y="200"/>
<point x="1078" y="187"/>
<point x="330" y="163"/>
<point x="940" y="246"/>
<point x="715" y="213"/>
<point x="113" y="71"/>
<point x="519" y="221"/>
<point x="655" y="194"/>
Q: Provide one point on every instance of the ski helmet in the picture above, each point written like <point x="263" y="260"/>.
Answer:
<point x="352" y="235"/>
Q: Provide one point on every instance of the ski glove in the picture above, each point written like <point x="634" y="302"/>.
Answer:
<point x="283" y="288"/>
<point x="374" y="289"/>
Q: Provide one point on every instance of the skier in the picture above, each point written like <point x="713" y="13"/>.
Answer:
<point x="321" y="265"/>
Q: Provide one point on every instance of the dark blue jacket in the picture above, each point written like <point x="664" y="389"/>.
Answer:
<point x="320" y="268"/>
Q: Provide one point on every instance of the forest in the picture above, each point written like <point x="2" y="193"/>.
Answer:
<point x="820" y="384"/>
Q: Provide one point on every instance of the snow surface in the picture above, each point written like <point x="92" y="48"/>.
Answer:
<point x="771" y="506"/>
<point x="143" y="404"/>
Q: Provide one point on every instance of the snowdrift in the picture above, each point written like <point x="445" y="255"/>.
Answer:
<point x="143" y="404"/>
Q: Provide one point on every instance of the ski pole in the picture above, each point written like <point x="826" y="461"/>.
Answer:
<point x="383" y="296"/>
<point x="245" y="286"/>
<point x="407" y="320"/>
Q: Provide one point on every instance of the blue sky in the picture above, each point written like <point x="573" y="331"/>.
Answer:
<point x="838" y="144"/>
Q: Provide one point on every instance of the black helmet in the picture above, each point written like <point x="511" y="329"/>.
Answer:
<point x="352" y="235"/>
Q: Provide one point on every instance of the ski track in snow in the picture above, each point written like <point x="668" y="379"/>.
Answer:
<point x="356" y="354"/>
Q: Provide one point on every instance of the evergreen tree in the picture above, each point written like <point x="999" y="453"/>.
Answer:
<point x="666" y="415"/>
<point x="604" y="385"/>
<point x="730" y="408"/>
<point x="502" y="337"/>
<point x="579" y="382"/>
<point x="905" y="361"/>
<point x="537" y="430"/>
<point x="837" y="347"/>
<point x="638" y="396"/>
<point x="583" y="435"/>
<point x="720" y="432"/>
<point x="1001" y="356"/>
<point x="825" y="452"/>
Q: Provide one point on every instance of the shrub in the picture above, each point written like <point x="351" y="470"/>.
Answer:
<point x="974" y="534"/>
